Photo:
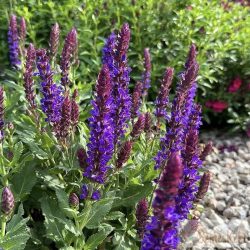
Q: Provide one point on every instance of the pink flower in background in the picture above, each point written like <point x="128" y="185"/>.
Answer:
<point x="216" y="105"/>
<point x="235" y="85"/>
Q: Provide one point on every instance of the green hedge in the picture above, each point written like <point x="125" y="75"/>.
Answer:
<point x="166" y="27"/>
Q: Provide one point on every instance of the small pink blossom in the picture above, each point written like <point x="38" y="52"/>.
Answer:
<point x="216" y="105"/>
<point x="235" y="85"/>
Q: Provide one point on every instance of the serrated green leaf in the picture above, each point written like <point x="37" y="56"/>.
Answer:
<point x="18" y="149"/>
<point x="96" y="239"/>
<point x="133" y="194"/>
<point x="17" y="232"/>
<point x="23" y="182"/>
<point x="98" y="212"/>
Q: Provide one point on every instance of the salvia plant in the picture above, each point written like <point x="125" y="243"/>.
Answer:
<point x="115" y="172"/>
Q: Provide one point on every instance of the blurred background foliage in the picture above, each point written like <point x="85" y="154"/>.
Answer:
<point x="220" y="30"/>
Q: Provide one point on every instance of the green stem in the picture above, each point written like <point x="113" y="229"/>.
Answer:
<point x="3" y="226"/>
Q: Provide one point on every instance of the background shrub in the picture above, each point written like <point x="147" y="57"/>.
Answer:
<point x="219" y="30"/>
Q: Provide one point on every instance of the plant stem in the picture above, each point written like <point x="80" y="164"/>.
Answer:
<point x="3" y="226"/>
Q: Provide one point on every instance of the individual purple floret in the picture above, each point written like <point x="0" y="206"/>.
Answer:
<point x="28" y="76"/>
<point x="84" y="192"/>
<point x="115" y="57"/>
<point x="162" y="231"/>
<point x="13" y="42"/>
<point x="100" y="146"/>
<point x="180" y="113"/>
<point x="1" y="114"/>
<point x="96" y="195"/>
<point x="8" y="201"/>
<point x="147" y="72"/>
<point x="141" y="216"/>
<point x="70" y="45"/>
<point x="52" y="94"/>
<point x="162" y="99"/>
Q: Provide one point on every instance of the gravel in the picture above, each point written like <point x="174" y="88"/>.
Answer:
<point x="225" y="221"/>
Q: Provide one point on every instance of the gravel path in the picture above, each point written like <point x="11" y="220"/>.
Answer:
<point x="225" y="221"/>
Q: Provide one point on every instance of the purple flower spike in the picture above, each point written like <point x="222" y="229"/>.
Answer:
<point x="8" y="201"/>
<point x="203" y="187"/>
<point x="147" y="72"/>
<point x="70" y="45"/>
<point x="13" y="42"/>
<point x="141" y="216"/>
<point x="115" y="57"/>
<point x="52" y="94"/>
<point x="100" y="146"/>
<point x="180" y="113"/>
<point x="148" y="123"/>
<point x="162" y="230"/>
<point x="28" y="76"/>
<point x="162" y="98"/>
<point x="1" y="114"/>
<point x="82" y="158"/>
<point x="54" y="40"/>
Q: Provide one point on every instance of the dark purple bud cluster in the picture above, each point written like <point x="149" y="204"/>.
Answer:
<point x="82" y="158"/>
<point x="203" y="187"/>
<point x="70" y="45"/>
<point x="147" y="72"/>
<point x="148" y="122"/>
<point x="138" y="127"/>
<point x="28" y="76"/>
<point x="206" y="151"/>
<point x="74" y="110"/>
<point x="124" y="153"/>
<point x="23" y="30"/>
<point x="1" y="114"/>
<point x="63" y="127"/>
<point x="8" y="201"/>
<point x="141" y="216"/>
<point x="136" y="100"/>
<point x="13" y="42"/>
<point x="100" y="146"/>
<point x="162" y="230"/>
<point x="54" y="40"/>
<point x="162" y="98"/>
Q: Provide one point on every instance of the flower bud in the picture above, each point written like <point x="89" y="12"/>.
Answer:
<point x="73" y="200"/>
<point x="8" y="201"/>
<point x="204" y="184"/>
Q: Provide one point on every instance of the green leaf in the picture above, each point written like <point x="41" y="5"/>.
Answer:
<point x="133" y="194"/>
<point x="98" y="212"/>
<point x="96" y="239"/>
<point x="18" y="149"/>
<point x="114" y="215"/>
<point x="23" y="182"/>
<point x="17" y="232"/>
